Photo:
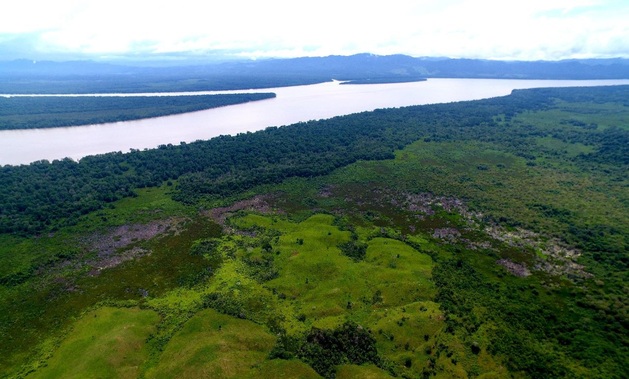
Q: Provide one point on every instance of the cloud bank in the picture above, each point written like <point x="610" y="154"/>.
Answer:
<point x="491" y="29"/>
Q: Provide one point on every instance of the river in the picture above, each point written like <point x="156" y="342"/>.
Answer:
<point x="292" y="105"/>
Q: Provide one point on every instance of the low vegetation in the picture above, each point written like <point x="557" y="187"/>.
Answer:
<point x="478" y="239"/>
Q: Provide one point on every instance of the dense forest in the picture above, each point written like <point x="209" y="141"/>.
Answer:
<point x="49" y="112"/>
<point x="484" y="238"/>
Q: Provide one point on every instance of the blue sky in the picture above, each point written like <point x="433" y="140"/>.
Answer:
<point x="492" y="29"/>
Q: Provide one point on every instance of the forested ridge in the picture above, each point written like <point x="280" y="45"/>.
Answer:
<point x="475" y="238"/>
<point x="23" y="76"/>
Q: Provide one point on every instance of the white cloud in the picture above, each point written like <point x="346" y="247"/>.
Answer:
<point x="532" y="29"/>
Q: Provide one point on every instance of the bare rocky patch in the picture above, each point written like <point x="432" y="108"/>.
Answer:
<point x="550" y="255"/>
<point x="106" y="262"/>
<point x="117" y="245"/>
<point x="514" y="268"/>
<point x="258" y="204"/>
<point x="555" y="257"/>
<point x="449" y="234"/>
<point x="326" y="191"/>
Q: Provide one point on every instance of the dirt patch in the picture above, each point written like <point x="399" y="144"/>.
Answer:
<point x="257" y="204"/>
<point x="114" y="260"/>
<point x="108" y="243"/>
<point x="116" y="245"/>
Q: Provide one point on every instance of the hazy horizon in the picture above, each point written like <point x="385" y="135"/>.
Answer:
<point x="243" y="29"/>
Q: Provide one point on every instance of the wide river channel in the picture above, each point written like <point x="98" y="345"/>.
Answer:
<point x="292" y="105"/>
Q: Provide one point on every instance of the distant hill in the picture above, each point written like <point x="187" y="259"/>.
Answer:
<point x="374" y="66"/>
<point x="23" y="76"/>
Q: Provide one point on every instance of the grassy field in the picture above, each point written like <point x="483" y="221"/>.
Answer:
<point x="214" y="345"/>
<point x="108" y="342"/>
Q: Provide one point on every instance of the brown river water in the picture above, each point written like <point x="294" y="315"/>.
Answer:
<point x="292" y="105"/>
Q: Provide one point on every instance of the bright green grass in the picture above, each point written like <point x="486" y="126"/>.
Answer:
<point x="407" y="332"/>
<point x="389" y="292"/>
<point x="214" y="345"/>
<point x="317" y="282"/>
<point x="400" y="272"/>
<point x="316" y="274"/>
<point x="105" y="343"/>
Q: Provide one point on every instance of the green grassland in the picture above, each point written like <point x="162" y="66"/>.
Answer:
<point x="214" y="345"/>
<point x="495" y="255"/>
<point x="108" y="342"/>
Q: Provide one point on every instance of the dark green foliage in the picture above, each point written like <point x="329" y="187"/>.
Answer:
<point x="535" y="333"/>
<point x="262" y="269"/>
<point x="324" y="349"/>
<point x="600" y="240"/>
<point x="286" y="347"/>
<point x="225" y="303"/>
<point x="206" y="247"/>
<point x="349" y="343"/>
<point x="613" y="147"/>
<point x="354" y="249"/>
<point x="50" y="112"/>
<point x="550" y="211"/>
<point x="194" y="278"/>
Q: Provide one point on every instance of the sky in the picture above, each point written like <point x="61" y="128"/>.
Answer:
<point x="144" y="29"/>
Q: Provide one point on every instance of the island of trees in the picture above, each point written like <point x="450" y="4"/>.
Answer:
<point x="32" y="112"/>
